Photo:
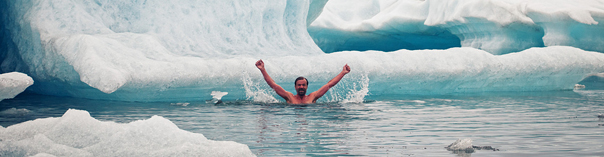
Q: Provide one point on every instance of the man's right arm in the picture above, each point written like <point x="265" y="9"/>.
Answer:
<point x="319" y="93"/>
<point x="280" y="91"/>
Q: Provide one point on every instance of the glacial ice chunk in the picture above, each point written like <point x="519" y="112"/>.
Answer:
<point x="315" y="9"/>
<point x="11" y="84"/>
<point x="76" y="133"/>
<point x="218" y="94"/>
<point x="71" y="46"/>
<point x="464" y="147"/>
<point x="495" y="26"/>
<point x="461" y="145"/>
<point x="423" y="72"/>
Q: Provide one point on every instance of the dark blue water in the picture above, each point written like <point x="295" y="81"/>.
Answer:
<point x="563" y="123"/>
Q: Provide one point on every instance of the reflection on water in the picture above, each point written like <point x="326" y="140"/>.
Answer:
<point x="562" y="123"/>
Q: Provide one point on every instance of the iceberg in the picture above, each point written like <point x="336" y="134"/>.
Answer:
<point x="495" y="26"/>
<point x="12" y="84"/>
<point x="93" y="48"/>
<point x="182" y="50"/>
<point x="76" y="133"/>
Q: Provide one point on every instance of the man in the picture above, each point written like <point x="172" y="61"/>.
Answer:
<point x="301" y="84"/>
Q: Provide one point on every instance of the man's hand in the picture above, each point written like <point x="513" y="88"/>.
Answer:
<point x="260" y="64"/>
<point x="346" y="69"/>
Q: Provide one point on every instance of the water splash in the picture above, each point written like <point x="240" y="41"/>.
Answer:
<point x="352" y="90"/>
<point x="255" y="92"/>
<point x="359" y="91"/>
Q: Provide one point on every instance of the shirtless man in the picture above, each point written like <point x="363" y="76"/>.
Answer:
<point x="301" y="84"/>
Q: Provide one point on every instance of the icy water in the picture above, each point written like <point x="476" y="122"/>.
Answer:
<point x="563" y="123"/>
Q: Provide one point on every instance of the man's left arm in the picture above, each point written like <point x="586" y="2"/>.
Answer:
<point x="319" y="93"/>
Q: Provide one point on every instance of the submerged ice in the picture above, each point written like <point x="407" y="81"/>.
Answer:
<point x="183" y="50"/>
<point x="76" y="133"/>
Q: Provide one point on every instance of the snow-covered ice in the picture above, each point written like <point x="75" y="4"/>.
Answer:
<point x="76" y="133"/>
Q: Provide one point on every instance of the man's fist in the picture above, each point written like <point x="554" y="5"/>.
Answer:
<point x="346" y="69"/>
<point x="260" y="64"/>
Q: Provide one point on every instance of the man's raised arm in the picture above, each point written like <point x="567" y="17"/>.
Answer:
<point x="280" y="91"/>
<point x="319" y="93"/>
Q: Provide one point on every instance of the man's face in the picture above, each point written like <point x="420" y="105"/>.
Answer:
<point x="301" y="86"/>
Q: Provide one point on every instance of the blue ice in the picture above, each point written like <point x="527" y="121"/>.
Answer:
<point x="183" y="50"/>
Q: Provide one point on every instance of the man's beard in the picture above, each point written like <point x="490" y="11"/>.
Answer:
<point x="301" y="92"/>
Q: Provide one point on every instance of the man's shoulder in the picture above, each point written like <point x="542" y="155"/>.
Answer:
<point x="290" y="95"/>
<point x="313" y="94"/>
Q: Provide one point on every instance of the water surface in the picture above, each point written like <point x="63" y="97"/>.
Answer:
<point x="562" y="123"/>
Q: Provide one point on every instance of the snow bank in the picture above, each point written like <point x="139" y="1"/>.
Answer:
<point x="76" y="133"/>
<point x="11" y="84"/>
